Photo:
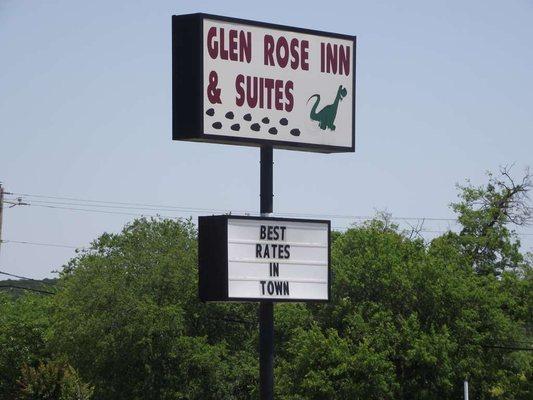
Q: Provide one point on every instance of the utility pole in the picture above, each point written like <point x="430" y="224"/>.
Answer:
<point x="17" y="202"/>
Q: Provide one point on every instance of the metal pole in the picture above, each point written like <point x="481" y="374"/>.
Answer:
<point x="266" y="309"/>
<point x="465" y="384"/>
<point x="267" y="192"/>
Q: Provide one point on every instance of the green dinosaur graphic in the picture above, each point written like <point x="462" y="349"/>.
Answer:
<point x="326" y="116"/>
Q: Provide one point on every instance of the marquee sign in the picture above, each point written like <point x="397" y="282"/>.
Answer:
<point x="251" y="83"/>
<point x="263" y="259"/>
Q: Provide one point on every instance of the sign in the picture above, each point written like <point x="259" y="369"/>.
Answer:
<point x="263" y="259"/>
<point x="252" y="83"/>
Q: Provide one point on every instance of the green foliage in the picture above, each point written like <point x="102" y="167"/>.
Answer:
<point x="407" y="320"/>
<point x="19" y="287"/>
<point x="55" y="380"/>
<point x="485" y="213"/>
<point x="322" y="365"/>
<point x="24" y="322"/>
<point x="129" y="319"/>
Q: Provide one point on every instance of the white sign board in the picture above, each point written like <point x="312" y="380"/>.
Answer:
<point x="276" y="259"/>
<point x="265" y="258"/>
<point x="262" y="83"/>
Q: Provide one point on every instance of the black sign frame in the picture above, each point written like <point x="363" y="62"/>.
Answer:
<point x="188" y="83"/>
<point x="213" y="258"/>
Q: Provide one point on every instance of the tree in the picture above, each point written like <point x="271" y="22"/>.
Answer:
<point x="24" y="323"/>
<point x="408" y="319"/>
<point x="485" y="213"/>
<point x="55" y="380"/>
<point x="128" y="318"/>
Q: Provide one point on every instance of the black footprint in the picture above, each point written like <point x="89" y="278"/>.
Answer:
<point x="229" y="115"/>
<point x="295" y="132"/>
<point x="283" y="121"/>
<point x="235" y="127"/>
<point x="273" y="131"/>
<point x="265" y="120"/>
<point x="210" y="112"/>
<point x="248" y="117"/>
<point x="255" y="127"/>
<point x="217" y="125"/>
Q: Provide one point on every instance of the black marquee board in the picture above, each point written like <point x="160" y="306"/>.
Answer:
<point x="214" y="260"/>
<point x="191" y="68"/>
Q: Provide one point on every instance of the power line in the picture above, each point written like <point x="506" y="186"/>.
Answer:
<point x="80" y="206"/>
<point x="187" y="209"/>
<point x="67" y="246"/>
<point x="101" y="211"/>
<point x="364" y="218"/>
<point x="25" y="278"/>
<point x="66" y="206"/>
<point x="339" y="228"/>
<point x="155" y="207"/>
<point x="132" y="207"/>
<point x="25" y="288"/>
<point x="129" y="205"/>
<point x="344" y="228"/>
<point x="41" y="244"/>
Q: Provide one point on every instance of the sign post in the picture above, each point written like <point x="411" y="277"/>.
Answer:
<point x="265" y="259"/>
<point x="271" y="86"/>
<point x="266" y="310"/>
<point x="266" y="351"/>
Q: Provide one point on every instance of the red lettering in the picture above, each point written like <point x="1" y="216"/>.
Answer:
<point x="322" y="63"/>
<point x="239" y="81"/>
<point x="251" y="92"/>
<point x="223" y="50"/>
<point x="282" y="45"/>
<point x="261" y="93"/>
<point x="233" y="45"/>
<point x="245" y="40"/>
<point x="294" y="54"/>
<point x="344" y="60"/>
<point x="269" y="85"/>
<point x="278" y="93"/>
<point x="305" y="55"/>
<point x="211" y="43"/>
<point x="334" y="59"/>
<point x="331" y="58"/>
<point x="269" y="50"/>
<point x="289" y="87"/>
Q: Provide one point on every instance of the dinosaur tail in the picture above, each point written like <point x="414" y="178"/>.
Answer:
<point x="313" y="115"/>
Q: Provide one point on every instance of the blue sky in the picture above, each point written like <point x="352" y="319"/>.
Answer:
<point x="444" y="93"/>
